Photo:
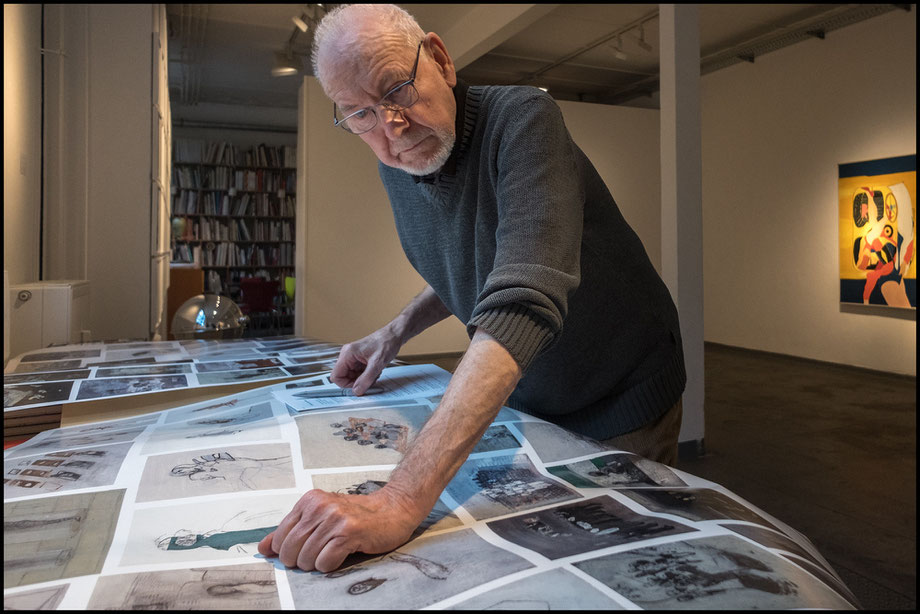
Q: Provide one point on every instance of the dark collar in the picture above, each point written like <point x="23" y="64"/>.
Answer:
<point x="450" y="166"/>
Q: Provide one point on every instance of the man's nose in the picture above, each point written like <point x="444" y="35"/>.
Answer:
<point x="394" y="122"/>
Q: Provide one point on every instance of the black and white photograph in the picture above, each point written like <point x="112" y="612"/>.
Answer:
<point x="244" y="375"/>
<point x="62" y="355"/>
<point x="498" y="485"/>
<point x="57" y="537"/>
<point x="158" y="369"/>
<point x="695" y="504"/>
<point x="556" y="589"/>
<point x="616" y="470"/>
<point x="44" y="367"/>
<point x="26" y="395"/>
<point x="496" y="437"/>
<point x="420" y="573"/>
<point x="721" y="572"/>
<point x="351" y="438"/>
<point x="62" y="471"/>
<point x="771" y="539"/>
<point x="312" y="368"/>
<point x="237" y="365"/>
<point x="248" y="587"/>
<point x="147" y="352"/>
<point x="55" y="376"/>
<point x="210" y="471"/>
<point x="121" y="363"/>
<point x="119" y="386"/>
<point x="553" y="443"/>
<point x="583" y="526"/>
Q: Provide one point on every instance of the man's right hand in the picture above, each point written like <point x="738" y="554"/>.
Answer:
<point x="361" y="362"/>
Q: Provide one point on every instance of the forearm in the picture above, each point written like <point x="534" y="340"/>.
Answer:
<point x="423" y="311"/>
<point x="482" y="382"/>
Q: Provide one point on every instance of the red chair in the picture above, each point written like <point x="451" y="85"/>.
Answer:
<point x="258" y="301"/>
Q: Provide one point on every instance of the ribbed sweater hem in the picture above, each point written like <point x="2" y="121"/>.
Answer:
<point x="516" y="328"/>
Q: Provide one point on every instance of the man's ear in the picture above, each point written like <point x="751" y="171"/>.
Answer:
<point x="438" y="51"/>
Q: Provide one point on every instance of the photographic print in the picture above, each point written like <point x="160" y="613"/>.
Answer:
<point x="721" y="572"/>
<point x="695" y="504"/>
<point x="59" y="439"/>
<point x="122" y="363"/>
<point x="65" y="470"/>
<point x="771" y="539"/>
<point x="99" y="388"/>
<point x="32" y="367"/>
<point x="152" y="353"/>
<point x="224" y="528"/>
<point x="583" y="526"/>
<point x="313" y="368"/>
<point x="877" y="230"/>
<point x="211" y="471"/>
<point x="554" y="443"/>
<point x="232" y="377"/>
<point x="418" y="574"/>
<point x="26" y="395"/>
<point x="56" y="376"/>
<point x="168" y="369"/>
<point x="247" y="423"/>
<point x="556" y="589"/>
<point x="51" y="538"/>
<point x="359" y="437"/>
<point x="236" y="365"/>
<point x="498" y="485"/>
<point x="366" y="482"/>
<point x="232" y="587"/>
<point x="616" y="471"/>
<point x="830" y="580"/>
<point x="36" y="599"/>
<point x="63" y="355"/>
<point x="496" y="437"/>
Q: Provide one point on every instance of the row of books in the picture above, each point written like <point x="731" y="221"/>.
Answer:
<point x="224" y="178"/>
<point x="201" y="152"/>
<point x="193" y="202"/>
<point x="230" y="255"/>
<point x="237" y="230"/>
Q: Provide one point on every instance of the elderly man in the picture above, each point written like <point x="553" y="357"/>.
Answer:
<point x="515" y="233"/>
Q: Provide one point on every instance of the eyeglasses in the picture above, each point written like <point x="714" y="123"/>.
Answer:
<point x="399" y="98"/>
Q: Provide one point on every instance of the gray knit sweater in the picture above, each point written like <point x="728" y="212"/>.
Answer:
<point x="518" y="234"/>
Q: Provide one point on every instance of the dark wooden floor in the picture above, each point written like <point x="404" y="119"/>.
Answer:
<point x="829" y="450"/>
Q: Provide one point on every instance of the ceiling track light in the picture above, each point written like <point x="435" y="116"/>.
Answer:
<point x="286" y="64"/>
<point x="618" y="49"/>
<point x="301" y="22"/>
<point x="642" y="43"/>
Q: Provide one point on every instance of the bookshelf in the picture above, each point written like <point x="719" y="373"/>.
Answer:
<point x="232" y="211"/>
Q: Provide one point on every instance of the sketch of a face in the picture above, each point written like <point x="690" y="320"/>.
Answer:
<point x="225" y="466"/>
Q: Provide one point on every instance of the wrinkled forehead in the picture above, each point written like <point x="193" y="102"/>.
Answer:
<point x="364" y="66"/>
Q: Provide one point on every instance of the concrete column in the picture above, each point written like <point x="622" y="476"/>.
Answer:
<point x="681" y="195"/>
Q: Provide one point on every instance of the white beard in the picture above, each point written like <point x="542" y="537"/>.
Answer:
<point x="446" y="139"/>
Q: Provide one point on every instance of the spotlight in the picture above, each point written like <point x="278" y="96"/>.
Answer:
<point x="286" y="64"/>
<point x="642" y="43"/>
<point x="300" y="22"/>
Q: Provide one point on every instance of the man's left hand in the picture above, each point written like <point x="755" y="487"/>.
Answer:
<point x="324" y="528"/>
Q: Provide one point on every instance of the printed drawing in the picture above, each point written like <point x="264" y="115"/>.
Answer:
<point x="497" y="485"/>
<point x="60" y="365"/>
<point x="229" y="377"/>
<point x="38" y="599"/>
<point x="721" y="572"/>
<point x="616" y="470"/>
<point x="97" y="388"/>
<point x="420" y="573"/>
<point x="236" y="365"/>
<point x="213" y="471"/>
<point x="36" y="357"/>
<point x="244" y="587"/>
<point x="771" y="539"/>
<point x="59" y="440"/>
<point x="695" y="504"/>
<point x="45" y="393"/>
<point x="57" y="537"/>
<point x="248" y="423"/>
<point x="312" y="368"/>
<point x="556" y="589"/>
<point x="366" y="482"/>
<point x="45" y="377"/>
<point x="169" y="369"/>
<point x="187" y="413"/>
<point x="60" y="471"/>
<point x="583" y="526"/>
<point x="496" y="437"/>
<point x="378" y="436"/>
<point x="554" y="443"/>
<point x="831" y="580"/>
<point x="193" y="532"/>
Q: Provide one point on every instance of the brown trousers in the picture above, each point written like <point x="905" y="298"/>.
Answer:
<point x="656" y="441"/>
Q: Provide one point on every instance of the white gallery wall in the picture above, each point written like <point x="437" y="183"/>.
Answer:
<point x="773" y="134"/>
<point x="21" y="141"/>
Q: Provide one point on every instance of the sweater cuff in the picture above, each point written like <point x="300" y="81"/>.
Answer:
<point x="519" y="330"/>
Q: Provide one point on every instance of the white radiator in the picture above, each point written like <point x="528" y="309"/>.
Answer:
<point x="45" y="313"/>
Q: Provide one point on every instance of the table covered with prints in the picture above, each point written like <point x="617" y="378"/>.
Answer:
<point x="163" y="510"/>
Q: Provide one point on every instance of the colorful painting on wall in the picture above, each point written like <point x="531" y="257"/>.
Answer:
<point x="878" y="224"/>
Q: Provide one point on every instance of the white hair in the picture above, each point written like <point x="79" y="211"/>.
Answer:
<point x="341" y="26"/>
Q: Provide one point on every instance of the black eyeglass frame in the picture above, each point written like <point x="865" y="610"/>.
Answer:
<point x="383" y="101"/>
